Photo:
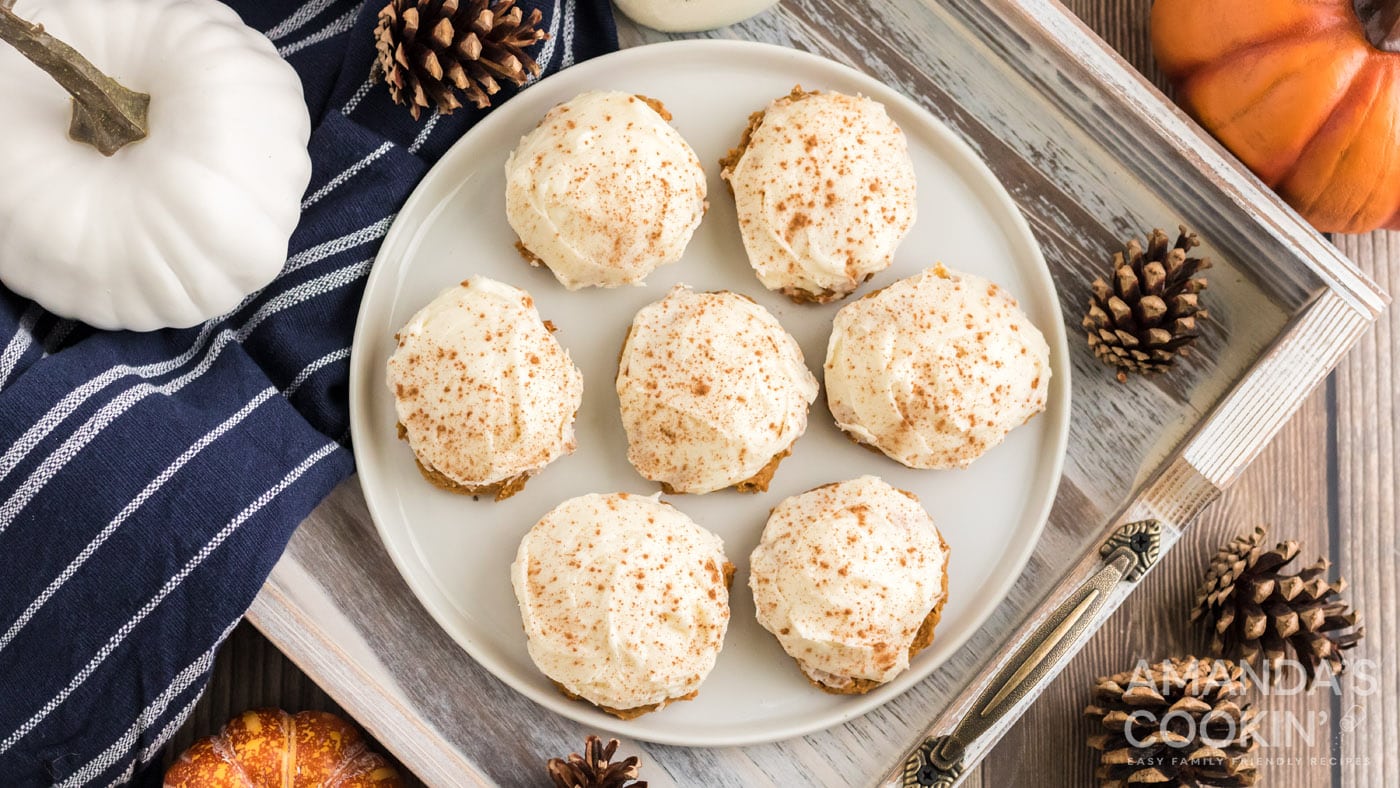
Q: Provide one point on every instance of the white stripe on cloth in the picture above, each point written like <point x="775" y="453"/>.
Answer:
<point x="568" y="35"/>
<point x="89" y="430"/>
<point x="165" y="590"/>
<point x="358" y="96"/>
<point x="297" y="20"/>
<point x="547" y="50"/>
<point x="171" y="727"/>
<point x="424" y="133"/>
<point x="344" y="23"/>
<point x="75" y="398"/>
<point x="346" y="175"/>
<point x="335" y="246"/>
<point x="130" y="508"/>
<point x="147" y="754"/>
<point x="20" y="342"/>
<point x="148" y="716"/>
<point x="302" y="376"/>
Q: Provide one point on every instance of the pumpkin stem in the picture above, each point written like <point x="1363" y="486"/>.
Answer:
<point x="1382" y="22"/>
<point x="106" y="115"/>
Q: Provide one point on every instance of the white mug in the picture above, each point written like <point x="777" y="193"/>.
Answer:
<point x="689" y="16"/>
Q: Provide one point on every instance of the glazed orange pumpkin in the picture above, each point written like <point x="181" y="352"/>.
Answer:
<point x="1304" y="92"/>
<point x="269" y="748"/>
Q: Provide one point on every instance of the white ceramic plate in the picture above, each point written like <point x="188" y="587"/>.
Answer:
<point x="455" y="553"/>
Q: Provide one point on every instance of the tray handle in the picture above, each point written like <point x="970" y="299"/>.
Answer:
<point x="937" y="762"/>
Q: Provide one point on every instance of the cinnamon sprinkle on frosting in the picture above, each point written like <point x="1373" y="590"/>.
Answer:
<point x="824" y="188"/>
<point x="936" y="369"/>
<point x="604" y="190"/>
<point x="624" y="600"/>
<point x="846" y="577"/>
<point x="485" y="395"/>
<point x="712" y="390"/>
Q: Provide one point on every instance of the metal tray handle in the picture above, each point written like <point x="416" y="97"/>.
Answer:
<point x="938" y="761"/>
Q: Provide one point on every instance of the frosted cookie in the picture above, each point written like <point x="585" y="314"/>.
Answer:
<point x="851" y="578"/>
<point x="935" y="369"/>
<point x="604" y="190"/>
<point x="484" y="393"/>
<point x="824" y="188"/>
<point x="624" y="600"/>
<point x="713" y="392"/>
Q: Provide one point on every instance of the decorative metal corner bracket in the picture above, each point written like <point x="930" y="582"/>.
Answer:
<point x="936" y="763"/>
<point x="1143" y="538"/>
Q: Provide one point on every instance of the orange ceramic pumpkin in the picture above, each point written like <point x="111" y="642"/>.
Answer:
<point x="269" y="748"/>
<point x="1305" y="92"/>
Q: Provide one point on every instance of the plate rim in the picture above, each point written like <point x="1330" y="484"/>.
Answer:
<point x="1057" y="410"/>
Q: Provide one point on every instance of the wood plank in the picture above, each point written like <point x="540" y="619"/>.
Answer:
<point x="1367" y="425"/>
<point x="1124" y="24"/>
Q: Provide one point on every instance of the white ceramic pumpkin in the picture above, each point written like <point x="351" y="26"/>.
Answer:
<point x="172" y="229"/>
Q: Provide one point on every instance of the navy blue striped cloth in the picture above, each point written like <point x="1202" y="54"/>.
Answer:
<point x="149" y="482"/>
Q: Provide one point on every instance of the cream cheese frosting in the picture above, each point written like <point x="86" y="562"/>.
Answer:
<point x="824" y="189"/>
<point x="604" y="190"/>
<point x="936" y="369"/>
<point x="624" y="599"/>
<point x="483" y="391"/>
<point x="845" y="575"/>
<point x="712" y="390"/>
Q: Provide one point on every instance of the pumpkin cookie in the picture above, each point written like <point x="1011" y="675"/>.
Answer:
<point x="851" y="578"/>
<point x="713" y="392"/>
<point x="824" y="188"/>
<point x="624" y="600"/>
<point x="604" y="190"/>
<point x="936" y="369"/>
<point x="485" y="395"/>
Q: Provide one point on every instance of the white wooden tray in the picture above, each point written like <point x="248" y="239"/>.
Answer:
<point x="1092" y="154"/>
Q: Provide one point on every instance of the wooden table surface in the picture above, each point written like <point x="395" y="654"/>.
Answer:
<point x="1329" y="481"/>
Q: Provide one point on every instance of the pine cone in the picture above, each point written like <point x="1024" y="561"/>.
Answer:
<point x="1148" y="315"/>
<point x="430" y="49"/>
<point x="1258" y="611"/>
<point x="592" y="770"/>
<point x="1208" y="738"/>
